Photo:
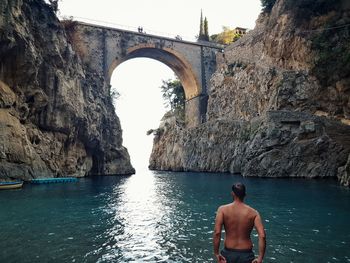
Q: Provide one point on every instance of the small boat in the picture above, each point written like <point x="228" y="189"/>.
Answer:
<point x="11" y="185"/>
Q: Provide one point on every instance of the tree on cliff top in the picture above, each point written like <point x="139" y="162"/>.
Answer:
<point x="201" y="26"/>
<point x="203" y="29"/>
<point x="206" y="30"/>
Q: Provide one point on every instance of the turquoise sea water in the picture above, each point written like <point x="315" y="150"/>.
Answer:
<point x="168" y="217"/>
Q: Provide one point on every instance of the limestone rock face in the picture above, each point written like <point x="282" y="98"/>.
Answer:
<point x="280" y="144"/>
<point x="56" y="114"/>
<point x="268" y="113"/>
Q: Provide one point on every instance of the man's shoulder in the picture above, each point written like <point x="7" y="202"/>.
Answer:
<point x="224" y="207"/>
<point x="227" y="205"/>
<point x="252" y="210"/>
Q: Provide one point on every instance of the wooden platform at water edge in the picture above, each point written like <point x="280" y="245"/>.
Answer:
<point x="54" y="180"/>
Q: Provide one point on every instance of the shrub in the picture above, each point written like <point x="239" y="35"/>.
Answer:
<point x="267" y="5"/>
<point x="306" y="9"/>
<point x="333" y="54"/>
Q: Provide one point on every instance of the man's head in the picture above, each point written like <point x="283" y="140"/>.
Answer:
<point x="238" y="190"/>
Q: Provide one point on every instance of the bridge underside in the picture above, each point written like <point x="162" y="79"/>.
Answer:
<point x="181" y="68"/>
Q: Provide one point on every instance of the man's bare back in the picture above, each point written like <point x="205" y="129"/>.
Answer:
<point x="238" y="219"/>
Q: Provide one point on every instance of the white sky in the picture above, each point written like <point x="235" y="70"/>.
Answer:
<point x="140" y="106"/>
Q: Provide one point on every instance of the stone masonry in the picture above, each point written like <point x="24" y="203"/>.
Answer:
<point x="104" y="48"/>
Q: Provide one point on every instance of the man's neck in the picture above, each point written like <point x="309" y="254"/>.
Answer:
<point x="238" y="201"/>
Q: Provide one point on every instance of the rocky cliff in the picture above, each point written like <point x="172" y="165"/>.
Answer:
<point x="278" y="104"/>
<point x="56" y="114"/>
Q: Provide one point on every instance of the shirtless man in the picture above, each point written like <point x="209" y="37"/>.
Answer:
<point x="238" y="220"/>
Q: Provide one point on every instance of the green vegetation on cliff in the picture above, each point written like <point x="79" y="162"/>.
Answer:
<point x="53" y="4"/>
<point x="305" y="8"/>
<point x="267" y="5"/>
<point x="174" y="97"/>
<point x="329" y="33"/>
<point x="227" y="36"/>
<point x="333" y="53"/>
<point x="327" y="25"/>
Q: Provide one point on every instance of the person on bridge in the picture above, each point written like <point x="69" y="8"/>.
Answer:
<point x="238" y="220"/>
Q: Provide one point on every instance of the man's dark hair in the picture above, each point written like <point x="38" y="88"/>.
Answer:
<point x="239" y="190"/>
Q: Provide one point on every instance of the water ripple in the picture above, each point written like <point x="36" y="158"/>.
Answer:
<point x="167" y="217"/>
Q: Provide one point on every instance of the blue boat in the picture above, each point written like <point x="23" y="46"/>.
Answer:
<point x="11" y="185"/>
<point x="54" y="180"/>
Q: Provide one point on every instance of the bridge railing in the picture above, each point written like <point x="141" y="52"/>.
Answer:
<point x="141" y="30"/>
<point x="129" y="28"/>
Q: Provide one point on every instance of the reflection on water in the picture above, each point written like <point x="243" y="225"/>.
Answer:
<point x="168" y="217"/>
<point x="133" y="234"/>
<point x="150" y="221"/>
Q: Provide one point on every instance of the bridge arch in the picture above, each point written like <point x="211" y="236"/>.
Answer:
<point x="103" y="48"/>
<point x="169" y="57"/>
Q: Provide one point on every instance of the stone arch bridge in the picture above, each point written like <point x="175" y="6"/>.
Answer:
<point x="104" y="48"/>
